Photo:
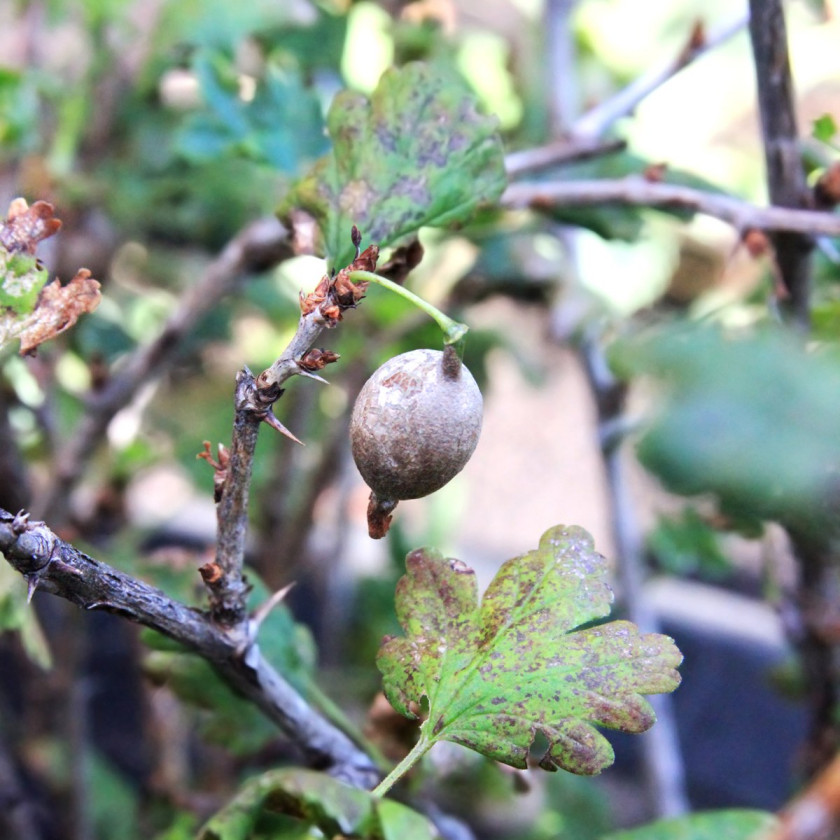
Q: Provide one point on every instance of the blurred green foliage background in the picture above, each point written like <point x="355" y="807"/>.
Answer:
<point x="159" y="129"/>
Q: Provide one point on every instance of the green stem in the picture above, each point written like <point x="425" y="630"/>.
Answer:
<point x="453" y="331"/>
<point x="418" y="751"/>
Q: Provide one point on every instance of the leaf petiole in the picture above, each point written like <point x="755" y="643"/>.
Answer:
<point x="422" y="746"/>
<point x="453" y="331"/>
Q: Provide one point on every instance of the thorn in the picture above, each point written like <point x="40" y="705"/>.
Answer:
<point x="261" y="613"/>
<point x="32" y="582"/>
<point x="314" y="376"/>
<point x="20" y="522"/>
<point x="275" y="424"/>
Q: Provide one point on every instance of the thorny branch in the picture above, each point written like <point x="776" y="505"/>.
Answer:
<point x="787" y="187"/>
<point x="640" y="192"/>
<point x="785" y="174"/>
<point x="321" y="309"/>
<point x="225" y="636"/>
<point x="54" y="566"/>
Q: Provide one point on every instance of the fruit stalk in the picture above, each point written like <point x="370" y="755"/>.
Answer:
<point x="454" y="331"/>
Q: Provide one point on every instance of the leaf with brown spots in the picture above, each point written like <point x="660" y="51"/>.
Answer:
<point x="26" y="226"/>
<point x="418" y="152"/>
<point x="58" y="309"/>
<point x="496" y="675"/>
<point x="21" y="275"/>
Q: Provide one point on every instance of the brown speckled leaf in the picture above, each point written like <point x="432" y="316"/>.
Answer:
<point x="26" y="226"/>
<point x="416" y="153"/>
<point x="59" y="307"/>
<point x="498" y="674"/>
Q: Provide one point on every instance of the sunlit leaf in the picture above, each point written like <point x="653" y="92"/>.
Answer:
<point x="824" y="128"/>
<point x="416" y="153"/>
<point x="219" y="23"/>
<point x="320" y="801"/>
<point x="280" y="124"/>
<point x="496" y="675"/>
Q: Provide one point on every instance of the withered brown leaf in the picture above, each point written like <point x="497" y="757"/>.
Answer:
<point x="26" y="226"/>
<point x="58" y="309"/>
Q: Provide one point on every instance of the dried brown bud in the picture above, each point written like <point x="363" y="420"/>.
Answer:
<point x="756" y="242"/>
<point x="366" y="261"/>
<point x="379" y="516"/>
<point x="332" y="314"/>
<point x="211" y="573"/>
<point x="309" y="303"/>
<point x="655" y="172"/>
<point x="345" y="292"/>
<point x="220" y="468"/>
<point x="317" y="359"/>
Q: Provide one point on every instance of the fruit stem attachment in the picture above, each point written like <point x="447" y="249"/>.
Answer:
<point x="422" y="746"/>
<point x="453" y="331"/>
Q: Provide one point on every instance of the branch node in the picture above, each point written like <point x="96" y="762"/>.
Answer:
<point x="211" y="573"/>
<point x="262" y="612"/>
<point x="21" y="522"/>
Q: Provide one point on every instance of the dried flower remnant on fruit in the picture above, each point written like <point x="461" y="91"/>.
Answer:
<point x="414" y="426"/>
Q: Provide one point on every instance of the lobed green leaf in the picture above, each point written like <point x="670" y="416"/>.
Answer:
<point x="496" y="675"/>
<point x="319" y="801"/>
<point x="416" y="153"/>
<point x="824" y="128"/>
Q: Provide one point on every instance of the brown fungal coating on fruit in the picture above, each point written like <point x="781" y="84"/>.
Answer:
<point x="415" y="424"/>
